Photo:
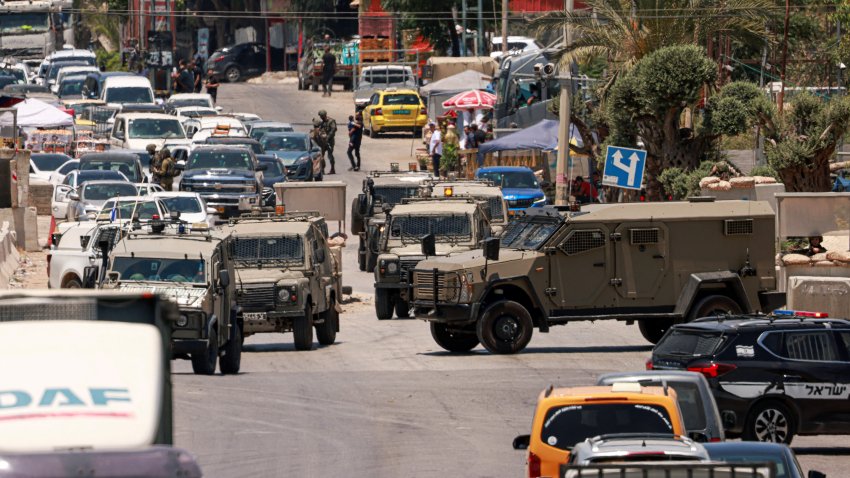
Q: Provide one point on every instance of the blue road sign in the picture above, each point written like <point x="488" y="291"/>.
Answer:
<point x="624" y="167"/>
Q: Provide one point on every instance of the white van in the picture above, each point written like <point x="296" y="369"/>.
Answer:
<point x="119" y="90"/>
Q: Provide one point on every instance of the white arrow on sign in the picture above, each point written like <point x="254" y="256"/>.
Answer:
<point x="630" y="168"/>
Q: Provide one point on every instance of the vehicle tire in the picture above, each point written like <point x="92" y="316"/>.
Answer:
<point x="302" y="329"/>
<point x="770" y="421"/>
<point x="204" y="363"/>
<point x="73" y="283"/>
<point x="233" y="74"/>
<point x="383" y="304"/>
<point x="713" y="305"/>
<point x="402" y="308"/>
<point x="326" y="331"/>
<point x="653" y="329"/>
<point x="357" y="223"/>
<point x="374" y="134"/>
<point x="453" y="340"/>
<point x="505" y="327"/>
<point x="231" y="358"/>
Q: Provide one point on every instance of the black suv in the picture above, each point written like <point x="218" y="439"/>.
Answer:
<point x="238" y="62"/>
<point x="773" y="376"/>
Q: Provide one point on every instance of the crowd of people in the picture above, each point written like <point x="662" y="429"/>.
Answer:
<point x="189" y="78"/>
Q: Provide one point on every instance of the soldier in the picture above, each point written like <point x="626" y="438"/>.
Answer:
<point x="154" y="164"/>
<point x="328" y="130"/>
<point x="166" y="169"/>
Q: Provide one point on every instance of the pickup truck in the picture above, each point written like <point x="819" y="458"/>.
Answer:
<point x="310" y="68"/>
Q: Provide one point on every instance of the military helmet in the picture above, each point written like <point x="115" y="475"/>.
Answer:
<point x="316" y="123"/>
<point x="151" y="148"/>
<point x="165" y="153"/>
<point x="323" y="113"/>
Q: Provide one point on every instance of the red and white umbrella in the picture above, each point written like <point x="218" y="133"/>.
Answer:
<point x="475" y="99"/>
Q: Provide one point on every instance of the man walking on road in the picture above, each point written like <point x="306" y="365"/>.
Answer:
<point x="166" y="170"/>
<point x="328" y="132"/>
<point x="355" y="137"/>
<point x="435" y="147"/>
<point x="328" y="71"/>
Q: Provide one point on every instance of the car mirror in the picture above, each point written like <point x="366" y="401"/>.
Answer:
<point x="545" y="184"/>
<point x="262" y="167"/>
<point x="386" y="208"/>
<point x="180" y="165"/>
<point x="816" y="474"/>
<point x="90" y="274"/>
<point x="84" y="241"/>
<point x="429" y="245"/>
<point x="224" y="278"/>
<point x="521" y="442"/>
<point x="491" y="248"/>
<point x="73" y="197"/>
<point x="320" y="256"/>
<point x="118" y="135"/>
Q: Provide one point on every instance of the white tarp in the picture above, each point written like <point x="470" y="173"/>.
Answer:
<point x="33" y="113"/>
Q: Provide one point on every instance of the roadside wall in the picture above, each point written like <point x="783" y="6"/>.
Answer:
<point x="9" y="256"/>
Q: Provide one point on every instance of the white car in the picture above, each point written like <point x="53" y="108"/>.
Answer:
<point x="127" y="89"/>
<point x="199" y="129"/>
<point x="516" y="44"/>
<point x="193" y="209"/>
<point x="138" y="130"/>
<point x="123" y="209"/>
<point x="187" y="112"/>
<point x="77" y="249"/>
<point x="68" y="71"/>
<point x="147" y="189"/>
<point x="58" y="176"/>
<point x="43" y="165"/>
<point x="71" y="183"/>
<point x="86" y="201"/>
<point x="180" y="100"/>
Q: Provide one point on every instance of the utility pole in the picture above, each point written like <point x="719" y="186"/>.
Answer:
<point x="463" y="24"/>
<point x="565" y="79"/>
<point x="481" y="51"/>
<point x="784" y="57"/>
<point x="504" y="28"/>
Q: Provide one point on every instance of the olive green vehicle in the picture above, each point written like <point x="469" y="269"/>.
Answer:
<point x="381" y="189"/>
<point x="656" y="264"/>
<point x="287" y="277"/>
<point x="194" y="270"/>
<point x="485" y="191"/>
<point x="455" y="225"/>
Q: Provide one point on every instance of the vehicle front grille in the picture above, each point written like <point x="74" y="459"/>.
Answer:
<point x="521" y="202"/>
<point x="494" y="208"/>
<point x="447" y="286"/>
<point x="256" y="297"/>
<point x="406" y="265"/>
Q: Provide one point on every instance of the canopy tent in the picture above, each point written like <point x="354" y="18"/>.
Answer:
<point x="441" y="90"/>
<point x="33" y="113"/>
<point x="471" y="99"/>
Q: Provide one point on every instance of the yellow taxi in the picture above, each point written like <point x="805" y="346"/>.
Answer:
<point x="567" y="416"/>
<point x="394" y="110"/>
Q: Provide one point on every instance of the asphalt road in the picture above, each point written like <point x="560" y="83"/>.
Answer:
<point x="385" y="400"/>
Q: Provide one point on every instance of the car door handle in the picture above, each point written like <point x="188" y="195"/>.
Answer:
<point x="598" y="264"/>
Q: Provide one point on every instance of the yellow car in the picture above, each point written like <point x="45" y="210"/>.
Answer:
<point x="394" y="110"/>
<point x="567" y="416"/>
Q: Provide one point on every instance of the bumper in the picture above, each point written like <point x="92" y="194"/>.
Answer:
<point x="447" y="314"/>
<point x="231" y="203"/>
<point x="298" y="172"/>
<point x="380" y="124"/>
<point x="189" y="346"/>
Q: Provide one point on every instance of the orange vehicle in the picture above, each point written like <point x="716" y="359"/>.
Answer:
<point x="567" y="416"/>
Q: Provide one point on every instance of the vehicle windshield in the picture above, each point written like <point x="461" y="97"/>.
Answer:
<point x="160" y="270"/>
<point x="189" y="102"/>
<point x="401" y="99"/>
<point x="128" y="94"/>
<point x="528" y="233"/>
<point x="145" y="128"/>
<point x="258" y="132"/>
<point x="8" y="80"/>
<point x="49" y="162"/>
<point x="285" y="143"/>
<point x="184" y="204"/>
<point x="220" y="160"/>
<point x="101" y="191"/>
<point x="689" y="343"/>
<point x="19" y="75"/>
<point x="124" y="167"/>
<point x="512" y="179"/>
<point x="394" y="195"/>
<point x="565" y="426"/>
<point x="125" y="209"/>
<point x="286" y="250"/>
<point x="72" y="87"/>
<point x="274" y="168"/>
<point x="67" y="167"/>
<point x="445" y="228"/>
<point x="57" y="67"/>
<point x="24" y="22"/>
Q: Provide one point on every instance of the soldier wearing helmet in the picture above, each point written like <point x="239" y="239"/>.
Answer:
<point x="154" y="164"/>
<point x="327" y="129"/>
<point x="166" y="169"/>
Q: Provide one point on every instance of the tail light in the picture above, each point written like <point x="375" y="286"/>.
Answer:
<point x="649" y="363"/>
<point x="533" y="466"/>
<point x="218" y="60"/>
<point x="155" y="217"/>
<point x="712" y="369"/>
<point x="379" y="112"/>
<point x="423" y="111"/>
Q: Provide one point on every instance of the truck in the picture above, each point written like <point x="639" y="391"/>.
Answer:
<point x="454" y="225"/>
<point x="229" y="178"/>
<point x="656" y="264"/>
<point x="31" y="28"/>
<point x="310" y="67"/>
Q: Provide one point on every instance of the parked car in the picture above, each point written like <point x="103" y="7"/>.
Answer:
<point x="58" y="176"/>
<point x="147" y="189"/>
<point x="302" y="158"/>
<point x="382" y="77"/>
<point x="137" y="130"/>
<point x="275" y="173"/>
<point x="238" y="62"/>
<point x="86" y="201"/>
<point x="71" y="87"/>
<point x="192" y="207"/>
<point x="259" y="128"/>
<point x="780" y="455"/>
<point x="72" y="181"/>
<point x="42" y="165"/>
<point x="76" y="250"/>
<point x="394" y="110"/>
<point x="127" y="164"/>
<point x="519" y="186"/>
<point x="702" y="420"/>
<point x="636" y="447"/>
<point x="773" y="377"/>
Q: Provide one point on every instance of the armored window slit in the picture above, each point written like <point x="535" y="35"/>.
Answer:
<point x="738" y="227"/>
<point x="640" y="237"/>
<point x="583" y="241"/>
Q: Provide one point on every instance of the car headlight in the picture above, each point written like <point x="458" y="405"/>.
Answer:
<point x="287" y="295"/>
<point x="388" y="267"/>
<point x="302" y="159"/>
<point x="183" y="320"/>
<point x="540" y="202"/>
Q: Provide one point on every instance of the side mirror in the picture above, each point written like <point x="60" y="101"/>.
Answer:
<point x="320" y="256"/>
<point x="262" y="167"/>
<point x="113" y="276"/>
<point x="429" y="245"/>
<point x="491" y="248"/>
<point x="211" y="210"/>
<point x="816" y="474"/>
<point x="521" y="442"/>
<point x="180" y="165"/>
<point x="219" y="109"/>
<point x="118" y="135"/>
<point x="224" y="278"/>
<point x="362" y="204"/>
<point x="90" y="277"/>
<point x="73" y="197"/>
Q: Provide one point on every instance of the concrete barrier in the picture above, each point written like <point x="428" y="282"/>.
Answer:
<point x="9" y="256"/>
<point x="41" y="195"/>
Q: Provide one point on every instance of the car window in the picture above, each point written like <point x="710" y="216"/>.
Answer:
<point x="690" y="403"/>
<point x="49" y="162"/>
<point x="564" y="426"/>
<point x="818" y="346"/>
<point x="188" y="205"/>
<point x="401" y="99"/>
<point x="220" y="159"/>
<point x="845" y="342"/>
<point x="68" y="167"/>
<point x="689" y="343"/>
<point x="147" y="210"/>
<point x="284" y="143"/>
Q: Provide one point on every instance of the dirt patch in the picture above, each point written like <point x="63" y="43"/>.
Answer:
<point x="275" y="78"/>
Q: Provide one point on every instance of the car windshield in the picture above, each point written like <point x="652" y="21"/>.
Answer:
<point x="528" y="233"/>
<point x="401" y="99"/>
<point x="565" y="426"/>
<point x="274" y="168"/>
<point x="100" y="192"/>
<point x="8" y="80"/>
<point x="49" y="162"/>
<point x="184" y="204"/>
<point x="18" y="74"/>
<point x="25" y="22"/>
<point x="189" y="102"/>
<point x="57" y="66"/>
<point x="394" y="195"/>
<point x="729" y="454"/>
<point x="220" y="160"/>
<point x="124" y="167"/>
<point x="125" y="209"/>
<point x="128" y="94"/>
<point x="145" y="128"/>
<point x="285" y="143"/>
<point x="445" y="228"/>
<point x="258" y="132"/>
<point x="248" y="251"/>
<point x="160" y="270"/>
<point x="71" y="87"/>
<point x="511" y="179"/>
<point x="689" y="343"/>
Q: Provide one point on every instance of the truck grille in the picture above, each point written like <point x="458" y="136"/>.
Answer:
<point x="256" y="297"/>
<point x="521" y="202"/>
<point x="447" y="286"/>
<point x="406" y="265"/>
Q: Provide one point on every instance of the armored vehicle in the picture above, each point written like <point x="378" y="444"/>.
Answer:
<point x="485" y="191"/>
<point x="454" y="225"/>
<point x="655" y="264"/>
<point x="367" y="210"/>
<point x="194" y="269"/>
<point x="287" y="277"/>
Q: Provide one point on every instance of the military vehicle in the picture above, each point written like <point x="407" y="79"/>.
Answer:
<point x="193" y="268"/>
<point x="287" y="278"/>
<point x="485" y="191"/>
<point x="655" y="264"/>
<point x="380" y="189"/>
<point x="453" y="224"/>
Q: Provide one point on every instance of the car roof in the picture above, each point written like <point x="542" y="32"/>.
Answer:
<point x="677" y="210"/>
<point x="734" y="323"/>
<point x="601" y="392"/>
<point x="126" y="80"/>
<point x="174" y="245"/>
<point x="231" y="140"/>
<point x="108" y="181"/>
<point x="222" y="147"/>
<point x="175" y="194"/>
<point x="263" y="123"/>
<point x="117" y="155"/>
<point x="212" y="121"/>
<point x="503" y="169"/>
<point x="94" y="173"/>
<point x="143" y="115"/>
<point x="188" y="96"/>
<point x="395" y="91"/>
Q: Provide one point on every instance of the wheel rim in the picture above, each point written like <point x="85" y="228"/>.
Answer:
<point x="232" y="74"/>
<point x="506" y="328"/>
<point x="771" y="425"/>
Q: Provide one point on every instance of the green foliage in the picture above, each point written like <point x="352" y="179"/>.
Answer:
<point x="683" y="184"/>
<point x="432" y="19"/>
<point x="110" y="60"/>
<point x="764" y="170"/>
<point x="450" y="159"/>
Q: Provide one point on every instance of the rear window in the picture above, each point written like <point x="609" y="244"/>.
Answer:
<point x="689" y="343"/>
<point x="690" y="403"/>
<point x="400" y="99"/>
<point x="566" y="426"/>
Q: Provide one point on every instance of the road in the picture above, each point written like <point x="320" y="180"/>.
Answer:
<point x="385" y="401"/>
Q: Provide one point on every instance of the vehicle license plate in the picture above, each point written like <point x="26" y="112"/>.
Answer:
<point x="254" y="315"/>
<point x="402" y="112"/>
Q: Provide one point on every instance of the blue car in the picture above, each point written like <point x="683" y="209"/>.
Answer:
<point x="302" y="159"/>
<point x="520" y="186"/>
<point x="275" y="173"/>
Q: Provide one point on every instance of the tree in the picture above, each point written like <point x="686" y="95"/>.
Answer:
<point x="432" y="20"/>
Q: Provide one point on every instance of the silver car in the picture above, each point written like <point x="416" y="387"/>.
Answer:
<point x="85" y="204"/>
<point x="628" y="448"/>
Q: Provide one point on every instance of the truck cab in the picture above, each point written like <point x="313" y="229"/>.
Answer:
<point x="229" y="178"/>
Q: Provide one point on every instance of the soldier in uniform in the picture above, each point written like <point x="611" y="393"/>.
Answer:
<point x="319" y="139"/>
<point x="328" y="130"/>
<point x="166" y="169"/>
<point x="154" y="165"/>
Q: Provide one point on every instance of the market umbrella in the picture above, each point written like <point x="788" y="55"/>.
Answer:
<point x="475" y="99"/>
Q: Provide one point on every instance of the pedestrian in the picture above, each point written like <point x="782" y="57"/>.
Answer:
<point x="166" y="170"/>
<point x="597" y="183"/>
<point x="154" y="163"/>
<point x="328" y="71"/>
<point x="198" y="75"/>
<point x="464" y="138"/>
<point x="328" y="130"/>
<point x="212" y="85"/>
<point x="185" y="79"/>
<point x="472" y="136"/>
<point x="435" y="148"/>
<point x="355" y="137"/>
<point x="584" y="191"/>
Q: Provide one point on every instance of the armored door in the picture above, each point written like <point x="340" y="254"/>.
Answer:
<point x="641" y="259"/>
<point x="582" y="261"/>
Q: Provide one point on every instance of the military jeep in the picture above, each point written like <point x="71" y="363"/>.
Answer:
<point x="656" y="264"/>
<point x="287" y="277"/>
<point x="195" y="270"/>
<point x="456" y="225"/>
<point x="489" y="194"/>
